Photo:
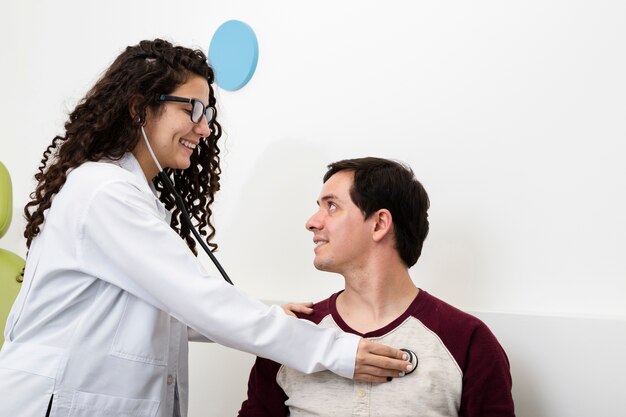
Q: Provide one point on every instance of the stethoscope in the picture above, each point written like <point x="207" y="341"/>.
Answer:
<point x="187" y="219"/>
<point x="183" y="210"/>
<point x="412" y="359"/>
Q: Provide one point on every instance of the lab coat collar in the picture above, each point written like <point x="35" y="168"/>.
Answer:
<point x="130" y="163"/>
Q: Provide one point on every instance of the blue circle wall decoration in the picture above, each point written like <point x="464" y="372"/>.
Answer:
<point x="233" y="54"/>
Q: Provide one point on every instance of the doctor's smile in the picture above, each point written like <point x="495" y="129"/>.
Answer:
<point x="190" y="146"/>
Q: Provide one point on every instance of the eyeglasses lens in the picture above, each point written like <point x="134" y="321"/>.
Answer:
<point x="198" y="111"/>
<point x="210" y="113"/>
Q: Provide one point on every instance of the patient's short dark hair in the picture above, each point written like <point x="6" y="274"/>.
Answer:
<point x="385" y="184"/>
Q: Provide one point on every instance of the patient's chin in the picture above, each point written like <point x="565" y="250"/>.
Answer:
<point x="323" y="265"/>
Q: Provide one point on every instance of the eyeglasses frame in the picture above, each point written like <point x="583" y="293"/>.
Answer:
<point x="178" y="99"/>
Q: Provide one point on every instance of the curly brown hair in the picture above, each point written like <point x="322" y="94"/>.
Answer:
<point x="101" y="126"/>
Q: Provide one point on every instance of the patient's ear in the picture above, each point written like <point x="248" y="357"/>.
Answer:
<point x="383" y="224"/>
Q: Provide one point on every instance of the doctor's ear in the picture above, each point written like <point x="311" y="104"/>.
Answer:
<point x="383" y="224"/>
<point x="137" y="109"/>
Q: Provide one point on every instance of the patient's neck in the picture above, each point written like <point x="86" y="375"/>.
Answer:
<point x="373" y="299"/>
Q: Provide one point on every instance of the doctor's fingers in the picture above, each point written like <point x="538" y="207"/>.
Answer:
<point x="372" y="373"/>
<point x="292" y="308"/>
<point x="367" y="373"/>
<point x="380" y="360"/>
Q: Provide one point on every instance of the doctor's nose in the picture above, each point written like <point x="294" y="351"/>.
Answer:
<point x="202" y="128"/>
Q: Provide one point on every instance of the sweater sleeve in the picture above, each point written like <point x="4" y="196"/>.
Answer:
<point x="486" y="378"/>
<point x="265" y="397"/>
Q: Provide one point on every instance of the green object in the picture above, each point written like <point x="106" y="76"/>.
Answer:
<point x="11" y="267"/>
<point x="6" y="199"/>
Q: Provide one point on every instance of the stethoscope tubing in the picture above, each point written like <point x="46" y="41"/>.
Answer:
<point x="181" y="206"/>
<point x="187" y="219"/>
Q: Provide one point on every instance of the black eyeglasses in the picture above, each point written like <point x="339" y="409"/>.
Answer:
<point x="198" y="109"/>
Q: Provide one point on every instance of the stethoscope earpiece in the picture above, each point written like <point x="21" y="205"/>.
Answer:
<point x="412" y="359"/>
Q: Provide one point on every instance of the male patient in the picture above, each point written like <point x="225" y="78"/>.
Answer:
<point x="370" y="226"/>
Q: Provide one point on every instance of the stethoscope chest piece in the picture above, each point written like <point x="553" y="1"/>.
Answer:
<point x="412" y="359"/>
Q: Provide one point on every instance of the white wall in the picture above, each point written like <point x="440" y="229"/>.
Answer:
<point x="511" y="114"/>
<point x="563" y="366"/>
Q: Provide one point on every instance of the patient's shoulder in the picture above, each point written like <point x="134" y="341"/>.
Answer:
<point x="321" y="309"/>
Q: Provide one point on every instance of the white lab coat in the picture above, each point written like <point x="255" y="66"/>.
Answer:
<point x="109" y="290"/>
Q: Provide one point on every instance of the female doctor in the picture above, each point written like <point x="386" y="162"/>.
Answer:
<point x="112" y="289"/>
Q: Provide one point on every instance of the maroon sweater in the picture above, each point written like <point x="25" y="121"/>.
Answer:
<point x="462" y="371"/>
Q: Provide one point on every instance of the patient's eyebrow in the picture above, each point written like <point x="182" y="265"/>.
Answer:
<point x="328" y="197"/>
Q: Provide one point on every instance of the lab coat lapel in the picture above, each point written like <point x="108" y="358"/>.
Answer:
<point x="130" y="163"/>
